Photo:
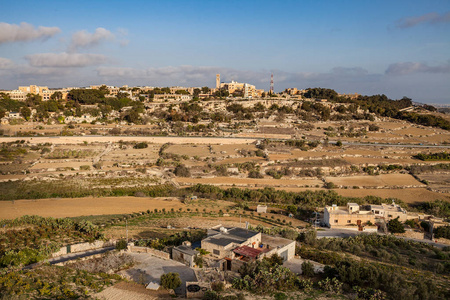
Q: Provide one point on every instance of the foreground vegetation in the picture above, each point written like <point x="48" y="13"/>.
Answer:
<point x="31" y="239"/>
<point x="53" y="282"/>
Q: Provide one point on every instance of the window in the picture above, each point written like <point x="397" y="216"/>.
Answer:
<point x="335" y="221"/>
<point x="216" y="252"/>
<point x="349" y="221"/>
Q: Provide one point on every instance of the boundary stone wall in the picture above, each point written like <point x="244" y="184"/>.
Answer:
<point x="150" y="251"/>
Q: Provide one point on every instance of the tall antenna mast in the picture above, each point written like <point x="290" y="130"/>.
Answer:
<point x="271" y="84"/>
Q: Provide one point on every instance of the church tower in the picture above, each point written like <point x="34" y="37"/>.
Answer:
<point x="217" y="81"/>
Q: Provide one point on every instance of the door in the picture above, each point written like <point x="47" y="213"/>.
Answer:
<point x="284" y="255"/>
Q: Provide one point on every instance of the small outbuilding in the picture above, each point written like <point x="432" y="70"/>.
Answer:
<point x="184" y="254"/>
<point x="261" y="209"/>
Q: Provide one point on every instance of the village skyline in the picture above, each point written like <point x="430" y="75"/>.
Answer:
<point x="397" y="49"/>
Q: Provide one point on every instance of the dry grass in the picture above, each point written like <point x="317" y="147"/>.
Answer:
<point x="131" y="291"/>
<point x="411" y="196"/>
<point x="55" y="165"/>
<point x="190" y="150"/>
<point x="224" y="181"/>
<point x="386" y="180"/>
<point x="74" y="207"/>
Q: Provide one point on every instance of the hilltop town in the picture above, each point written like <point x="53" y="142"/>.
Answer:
<point x="232" y="191"/>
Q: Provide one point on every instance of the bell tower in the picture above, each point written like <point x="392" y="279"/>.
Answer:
<point x="217" y="81"/>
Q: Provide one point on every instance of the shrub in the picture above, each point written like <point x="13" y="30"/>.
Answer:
<point x="121" y="244"/>
<point x="308" y="237"/>
<point x="182" y="171"/>
<point x="280" y="296"/>
<point x="211" y="295"/>
<point x="218" y="286"/>
<point x="141" y="145"/>
<point x="255" y="174"/>
<point x="395" y="226"/>
<point x="442" y="232"/>
<point x="330" y="185"/>
<point x="410" y="223"/>
<point x="307" y="269"/>
<point x="170" y="280"/>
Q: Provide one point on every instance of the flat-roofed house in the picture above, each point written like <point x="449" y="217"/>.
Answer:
<point x="225" y="240"/>
<point x="354" y="214"/>
<point x="185" y="254"/>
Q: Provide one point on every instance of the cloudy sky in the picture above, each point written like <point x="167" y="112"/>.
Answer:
<point x="398" y="48"/>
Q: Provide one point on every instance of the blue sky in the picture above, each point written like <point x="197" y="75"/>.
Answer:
<point x="398" y="48"/>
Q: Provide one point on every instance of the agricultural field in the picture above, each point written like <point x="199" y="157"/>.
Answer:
<point x="86" y="206"/>
<point x="100" y="166"/>
<point x="381" y="181"/>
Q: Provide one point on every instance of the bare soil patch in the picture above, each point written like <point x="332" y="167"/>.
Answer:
<point x="240" y="160"/>
<point x="191" y="150"/>
<point x="439" y="182"/>
<point x="410" y="196"/>
<point x="132" y="291"/>
<point x="59" y="164"/>
<point x="387" y="180"/>
<point x="250" y="181"/>
<point x="73" y="207"/>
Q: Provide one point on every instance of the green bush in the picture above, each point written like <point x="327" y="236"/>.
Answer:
<point x="442" y="232"/>
<point x="280" y="296"/>
<point x="141" y="145"/>
<point x="211" y="295"/>
<point x="307" y="269"/>
<point x="121" y="244"/>
<point x="170" y="280"/>
<point x="218" y="286"/>
<point x="182" y="171"/>
<point x="395" y="226"/>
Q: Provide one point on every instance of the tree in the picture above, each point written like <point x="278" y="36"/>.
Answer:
<point x="182" y="171"/>
<point x="274" y="260"/>
<point x="33" y="100"/>
<point x="26" y="112"/>
<point x="395" y="226"/>
<point x="170" y="280"/>
<point x="442" y="232"/>
<point x="308" y="237"/>
<point x="56" y="96"/>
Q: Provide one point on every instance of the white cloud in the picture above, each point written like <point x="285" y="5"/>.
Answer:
<point x="84" y="39"/>
<point x="431" y="18"/>
<point x="405" y="68"/>
<point x="121" y="72"/>
<point x="65" y="60"/>
<point x="25" y="32"/>
<point x="5" y="63"/>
